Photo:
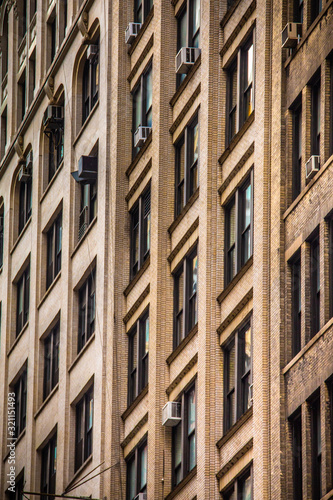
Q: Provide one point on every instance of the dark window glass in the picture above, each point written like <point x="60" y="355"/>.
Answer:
<point x="140" y="232"/>
<point x="25" y="203"/>
<point x="331" y="264"/>
<point x="141" y="10"/>
<point x="137" y="471"/>
<point x="296" y="305"/>
<point x="184" y="438"/>
<point x="316" y="449"/>
<point x="138" y="352"/>
<point x="143" y="103"/>
<point x="316" y="8"/>
<point x="56" y="149"/>
<point x="188" y="31"/>
<point x="87" y="306"/>
<point x="298" y="11"/>
<point x="237" y="376"/>
<point x="51" y="360"/>
<point x="84" y="428"/>
<point x="19" y="487"/>
<point x="241" y="489"/>
<point x="88" y="206"/>
<point x="297" y="152"/>
<point x="54" y="243"/>
<point x="20" y="389"/>
<point x="315" y="119"/>
<point x="315" y="285"/>
<point x="187" y="157"/>
<point x="185" y="297"/>
<point x="49" y="468"/>
<point x="238" y="230"/>
<point x="22" y="304"/>
<point x="331" y="108"/>
<point x="4" y="47"/>
<point x="297" y="455"/>
<point x="90" y="84"/>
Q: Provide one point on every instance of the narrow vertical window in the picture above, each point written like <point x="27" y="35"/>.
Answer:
<point x="138" y="355"/>
<point x="247" y="65"/>
<point x="298" y="11"/>
<point x="296" y="305"/>
<point x="87" y="308"/>
<point x="188" y="32"/>
<point x="316" y="449"/>
<point x="316" y="8"/>
<point x="54" y="244"/>
<point x="241" y="489"/>
<point x="141" y="10"/>
<point x="84" y="428"/>
<point x="296" y="429"/>
<point x="22" y="305"/>
<point x="20" y="389"/>
<point x="49" y="468"/>
<point x="315" y="285"/>
<point x="25" y="200"/>
<point x="90" y="80"/>
<point x="315" y="119"/>
<point x="142" y="109"/>
<point x="51" y="360"/>
<point x="140" y="232"/>
<point x="297" y="152"/>
<point x="136" y="465"/>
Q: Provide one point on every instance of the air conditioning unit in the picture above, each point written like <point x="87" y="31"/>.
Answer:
<point x="131" y="32"/>
<point x="141" y="135"/>
<point x="53" y="117"/>
<point x="92" y="51"/>
<point x="141" y="496"/>
<point x="171" y="414"/>
<point x="185" y="58"/>
<point x="312" y="166"/>
<point x="291" y="35"/>
<point x="25" y="173"/>
<point x="87" y="170"/>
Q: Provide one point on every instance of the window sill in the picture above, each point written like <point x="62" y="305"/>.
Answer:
<point x="185" y="82"/>
<point x="182" y="345"/>
<point x="135" y="403"/>
<point x="80" y="354"/>
<point x="184" y="211"/>
<point x="236" y="138"/>
<point x="16" y="341"/>
<point x="79" y="471"/>
<point x="46" y="400"/>
<point x="235" y="280"/>
<point x="141" y="32"/>
<point x="49" y="290"/>
<point x="20" y="236"/>
<point x="87" y="120"/>
<point x="237" y="425"/>
<point x="92" y="223"/>
<point x="48" y="187"/>
<point x="190" y="475"/>
<point x="137" y="277"/>
<point x="17" y="440"/>
<point x="139" y="154"/>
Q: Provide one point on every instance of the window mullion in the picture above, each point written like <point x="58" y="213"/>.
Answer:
<point x="238" y="98"/>
<point x="138" y="371"/>
<point x="237" y="233"/>
<point x="140" y="249"/>
<point x="186" y="165"/>
<point x="237" y="377"/>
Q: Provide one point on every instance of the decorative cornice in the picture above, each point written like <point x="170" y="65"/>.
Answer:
<point x="138" y="63"/>
<point x="235" y="459"/>
<point x="136" y="429"/>
<point x="237" y="168"/>
<point x="182" y="374"/>
<point x="181" y="243"/>
<point x="185" y="109"/>
<point x="137" y="304"/>
<point x="242" y="303"/>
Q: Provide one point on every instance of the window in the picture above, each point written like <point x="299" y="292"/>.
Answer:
<point x="87" y="298"/>
<point x="316" y="449"/>
<point x="138" y="348"/>
<point x="20" y="390"/>
<point x="19" y="487"/>
<point x="143" y="103"/>
<point x="88" y="203"/>
<point x="237" y="375"/>
<point x="21" y="98"/>
<point x="315" y="285"/>
<point x="187" y="157"/>
<point x="296" y="305"/>
<point x="1" y="233"/>
<point x="54" y="239"/>
<point x="183" y="438"/>
<point x="238" y="229"/>
<point x="185" y="297"/>
<point x="90" y="83"/>
<point x="298" y="11"/>
<point x="316" y="8"/>
<point x="49" y="468"/>
<point x="240" y="90"/>
<point x="140" y="232"/>
<point x="4" y="137"/>
<point x="51" y="36"/>
<point x="331" y="265"/>
<point x="296" y="429"/>
<point x="241" y="488"/>
<point x="51" y="360"/>
<point x="23" y="18"/>
<point x="141" y="10"/>
<point x="22" y="305"/>
<point x="25" y="202"/>
<point x="188" y="28"/>
<point x="56" y="145"/>
<point x="84" y="428"/>
<point x="331" y="108"/>
<point x="4" y="47"/>
<point x="315" y="118"/>
<point x="137" y="471"/>
<point x="297" y="152"/>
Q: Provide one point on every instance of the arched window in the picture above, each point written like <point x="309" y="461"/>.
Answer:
<point x="90" y="80"/>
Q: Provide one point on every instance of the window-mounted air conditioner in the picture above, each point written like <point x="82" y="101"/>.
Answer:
<point x="131" y="32"/>
<point x="185" y="58"/>
<point x="25" y="173"/>
<point x="141" y="496"/>
<point x="28" y="160"/>
<point x="87" y="170"/>
<point x="291" y="35"/>
<point x="312" y="166"/>
<point x="92" y="51"/>
<point x="53" y="117"/>
<point x="140" y="136"/>
<point x="171" y="414"/>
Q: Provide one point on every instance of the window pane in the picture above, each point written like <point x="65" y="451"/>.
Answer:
<point x="177" y="441"/>
<point x="195" y="142"/>
<point x="192" y="457"/>
<point x="231" y="368"/>
<point x="137" y="110"/>
<point x="180" y="291"/>
<point x="191" y="411"/>
<point x="182" y="30"/>
<point x="232" y="224"/>
<point x="143" y="467"/>
<point x="246" y="489"/>
<point x="148" y="82"/>
<point x="196" y="17"/>
<point x="131" y="479"/>
<point x="147" y="335"/>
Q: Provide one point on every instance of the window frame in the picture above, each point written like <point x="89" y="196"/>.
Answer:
<point x="141" y="238"/>
<point x="82" y="423"/>
<point x="146" y="115"/>
<point x="297" y="150"/>
<point x="185" y="436"/>
<point x="25" y="203"/>
<point x="20" y="390"/>
<point x="234" y="488"/>
<point x="316" y="116"/>
<point x="2" y="223"/>
<point x="314" y="282"/>
<point x="316" y="459"/>
<point x="48" y="462"/>
<point x="296" y="305"/>
<point x="51" y="344"/>
<point x="187" y="324"/>
<point x="237" y="248"/>
<point x="238" y="65"/>
<point x="296" y="444"/>
<point x="145" y="6"/>
<point x="56" y="151"/>
<point x="90" y="88"/>
<point x="135" y="458"/>
<point x="23" y="281"/>
<point x="54" y="250"/>
<point x="191" y="164"/>
<point x="87" y="305"/>
<point x="138" y="368"/>
<point x="237" y="407"/>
